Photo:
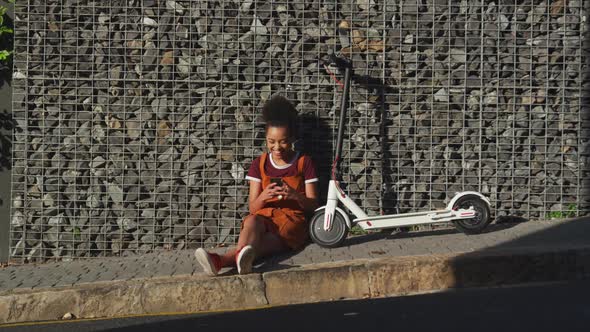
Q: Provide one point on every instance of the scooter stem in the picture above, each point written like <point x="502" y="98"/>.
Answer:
<point x="341" y="123"/>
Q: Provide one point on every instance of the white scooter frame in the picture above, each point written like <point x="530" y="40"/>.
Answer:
<point x="336" y="194"/>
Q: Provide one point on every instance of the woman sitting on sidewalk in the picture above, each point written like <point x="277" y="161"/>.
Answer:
<point x="278" y="208"/>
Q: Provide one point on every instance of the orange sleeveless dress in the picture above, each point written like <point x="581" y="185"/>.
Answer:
<point x="285" y="217"/>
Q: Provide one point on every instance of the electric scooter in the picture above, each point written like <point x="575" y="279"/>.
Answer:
<point x="469" y="211"/>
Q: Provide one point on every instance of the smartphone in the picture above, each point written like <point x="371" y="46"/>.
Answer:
<point x="278" y="181"/>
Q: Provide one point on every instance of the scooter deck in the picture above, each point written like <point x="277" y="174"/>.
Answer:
<point x="401" y="215"/>
<point x="413" y="218"/>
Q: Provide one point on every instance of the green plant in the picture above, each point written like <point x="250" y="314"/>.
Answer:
<point x="4" y="29"/>
<point x="357" y="230"/>
<point x="77" y="234"/>
<point x="570" y="212"/>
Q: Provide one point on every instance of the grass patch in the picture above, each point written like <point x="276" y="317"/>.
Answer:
<point x="570" y="212"/>
<point x="357" y="230"/>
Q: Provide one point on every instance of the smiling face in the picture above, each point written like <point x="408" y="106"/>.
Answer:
<point x="278" y="143"/>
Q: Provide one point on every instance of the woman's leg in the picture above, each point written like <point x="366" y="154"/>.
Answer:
<point x="270" y="244"/>
<point x="229" y="258"/>
<point x="253" y="227"/>
<point x="254" y="233"/>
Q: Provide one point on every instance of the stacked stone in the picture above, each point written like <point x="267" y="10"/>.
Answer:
<point x="137" y="119"/>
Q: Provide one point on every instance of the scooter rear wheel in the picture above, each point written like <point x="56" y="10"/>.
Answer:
<point x="482" y="214"/>
<point x="328" y="239"/>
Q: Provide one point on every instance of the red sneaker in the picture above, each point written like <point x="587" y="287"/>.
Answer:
<point x="211" y="263"/>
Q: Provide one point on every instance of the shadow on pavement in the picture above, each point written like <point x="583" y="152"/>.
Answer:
<point x="560" y="252"/>
<point x="395" y="234"/>
<point x="571" y="232"/>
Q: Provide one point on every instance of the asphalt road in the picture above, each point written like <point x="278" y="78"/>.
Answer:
<point x="548" y="307"/>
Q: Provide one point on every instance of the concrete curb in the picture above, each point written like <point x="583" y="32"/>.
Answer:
<point x="356" y="279"/>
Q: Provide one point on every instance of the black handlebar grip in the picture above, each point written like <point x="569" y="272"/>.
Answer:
<point x="340" y="62"/>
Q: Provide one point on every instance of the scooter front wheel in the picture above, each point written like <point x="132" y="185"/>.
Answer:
<point x="328" y="239"/>
<point x="482" y="214"/>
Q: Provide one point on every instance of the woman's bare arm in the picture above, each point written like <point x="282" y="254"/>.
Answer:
<point x="253" y="203"/>
<point x="309" y="201"/>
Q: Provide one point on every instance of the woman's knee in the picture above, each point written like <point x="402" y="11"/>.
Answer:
<point x="253" y="222"/>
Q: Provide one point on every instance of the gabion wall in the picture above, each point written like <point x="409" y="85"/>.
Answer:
<point x="137" y="120"/>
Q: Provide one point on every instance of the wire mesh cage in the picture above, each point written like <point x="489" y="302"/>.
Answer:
<point x="138" y="119"/>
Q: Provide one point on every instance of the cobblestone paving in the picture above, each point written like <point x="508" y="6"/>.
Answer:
<point x="502" y="237"/>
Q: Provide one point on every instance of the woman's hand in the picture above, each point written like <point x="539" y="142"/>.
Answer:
<point x="288" y="193"/>
<point x="307" y="201"/>
<point x="271" y="191"/>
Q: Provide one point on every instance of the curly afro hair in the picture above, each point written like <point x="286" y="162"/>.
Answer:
<point x="278" y="111"/>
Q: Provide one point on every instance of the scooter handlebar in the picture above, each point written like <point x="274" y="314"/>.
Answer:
<point x="340" y="61"/>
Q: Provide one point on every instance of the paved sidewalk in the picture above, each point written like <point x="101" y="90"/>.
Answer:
<point x="505" y="237"/>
